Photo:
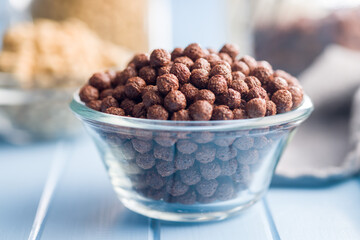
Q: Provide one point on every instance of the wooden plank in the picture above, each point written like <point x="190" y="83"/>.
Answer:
<point x="253" y="223"/>
<point x="23" y="172"/>
<point x="320" y="213"/>
<point x="85" y="206"/>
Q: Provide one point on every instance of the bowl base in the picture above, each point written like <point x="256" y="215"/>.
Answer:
<point x="177" y="215"/>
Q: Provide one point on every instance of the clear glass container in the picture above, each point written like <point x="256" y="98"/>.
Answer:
<point x="190" y="170"/>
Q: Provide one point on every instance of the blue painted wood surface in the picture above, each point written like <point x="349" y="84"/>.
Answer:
<point x="80" y="203"/>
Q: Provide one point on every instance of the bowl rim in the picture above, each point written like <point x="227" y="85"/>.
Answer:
<point x="99" y="119"/>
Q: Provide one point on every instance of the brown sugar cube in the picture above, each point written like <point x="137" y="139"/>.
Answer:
<point x="202" y="63"/>
<point x="184" y="60"/>
<point x="239" y="113"/>
<point x="88" y="93"/>
<point x="241" y="67"/>
<point x="157" y="112"/>
<point x="184" y="161"/>
<point x="201" y="110"/>
<point x="177" y="52"/>
<point x="252" y="82"/>
<point x="94" y="104"/>
<point x="250" y="61"/>
<point x="226" y="57"/>
<point x="148" y="74"/>
<point x="199" y="78"/>
<point x="164" y="153"/>
<point x="119" y="93"/>
<point x="222" y="112"/>
<point x="175" y="101"/>
<point x="257" y="92"/>
<point x="159" y="58"/>
<point x="127" y="105"/>
<point x="152" y="98"/>
<point x="141" y="146"/>
<point x="212" y="58"/>
<point x="167" y="83"/>
<point x="186" y="146"/>
<point x="134" y="87"/>
<point x="256" y="107"/>
<point x="194" y="51"/>
<point x="297" y="96"/>
<point x="115" y="111"/>
<point x="226" y="153"/>
<point x="141" y="60"/>
<point x="182" y="115"/>
<point x="106" y="92"/>
<point x="164" y="69"/>
<point x="190" y="92"/>
<point x="277" y="83"/>
<point x="210" y="170"/>
<point x="206" y="95"/>
<point x="181" y="71"/>
<point x="206" y="153"/>
<point x="223" y="71"/>
<point x="100" y="81"/>
<point x="122" y="77"/>
<point x="145" y="161"/>
<point x="139" y="110"/>
<point x="282" y="100"/>
<point x="108" y="102"/>
<point x="218" y="84"/>
<point x="264" y="75"/>
<point x="231" y="49"/>
<point x="270" y="108"/>
<point x="206" y="188"/>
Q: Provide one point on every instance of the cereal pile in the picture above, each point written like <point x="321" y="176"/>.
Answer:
<point x="49" y="54"/>
<point x="193" y="84"/>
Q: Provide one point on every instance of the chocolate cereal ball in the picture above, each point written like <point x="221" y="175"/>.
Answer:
<point x="250" y="61"/>
<point x="202" y="63"/>
<point x="159" y="58"/>
<point x="222" y="70"/>
<point x="127" y="105"/>
<point x="282" y="100"/>
<point x="270" y="108"/>
<point x="100" y="81"/>
<point x="230" y="49"/>
<point x="115" y="111"/>
<point x="88" y="93"/>
<point x="252" y="82"/>
<point x="201" y="110"/>
<point x="233" y="98"/>
<point x="199" y="78"/>
<point x="184" y="60"/>
<point x="106" y="92"/>
<point x="256" y="107"/>
<point x="190" y="176"/>
<point x="239" y="113"/>
<point x="212" y="58"/>
<point x="164" y="69"/>
<point x="141" y="60"/>
<point x="148" y="74"/>
<point x="139" y="110"/>
<point x="167" y="83"/>
<point x="134" y="87"/>
<point x="152" y="98"/>
<point x="239" y="85"/>
<point x="222" y="112"/>
<point x="218" y="85"/>
<point x="210" y="170"/>
<point x="145" y="161"/>
<point x="206" y="188"/>
<point x="241" y="67"/>
<point x="277" y="83"/>
<point x="175" y="101"/>
<point x="206" y="153"/>
<point x="119" y="93"/>
<point x="157" y="112"/>
<point x="94" y="104"/>
<point x="257" y="92"/>
<point x="108" y="102"/>
<point x="194" y="51"/>
<point x="182" y="115"/>
<point x="122" y="77"/>
<point x="190" y="92"/>
<point x="206" y="95"/>
<point x="264" y="74"/>
<point x="226" y="57"/>
<point x="297" y="96"/>
<point x="182" y="72"/>
<point x="177" y="52"/>
<point x="184" y="161"/>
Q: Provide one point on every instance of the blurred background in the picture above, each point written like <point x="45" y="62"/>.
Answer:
<point x="50" y="47"/>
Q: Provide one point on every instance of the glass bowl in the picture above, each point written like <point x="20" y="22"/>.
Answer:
<point x="28" y="115"/>
<point x="190" y="171"/>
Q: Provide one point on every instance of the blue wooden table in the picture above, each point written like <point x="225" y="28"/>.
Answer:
<point x="60" y="190"/>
